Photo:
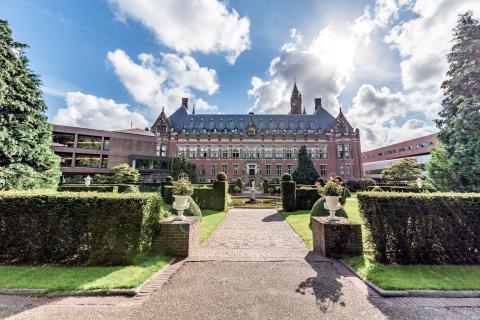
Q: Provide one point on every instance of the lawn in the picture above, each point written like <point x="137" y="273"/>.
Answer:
<point x="58" y="278"/>
<point x="393" y="277"/>
<point x="210" y="221"/>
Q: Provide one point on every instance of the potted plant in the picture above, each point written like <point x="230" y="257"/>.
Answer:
<point x="182" y="189"/>
<point x="332" y="192"/>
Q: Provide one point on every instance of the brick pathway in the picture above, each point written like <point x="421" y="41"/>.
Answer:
<point x="253" y="235"/>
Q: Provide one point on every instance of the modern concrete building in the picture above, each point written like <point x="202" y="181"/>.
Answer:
<point x="374" y="161"/>
<point x="88" y="151"/>
<point x="265" y="146"/>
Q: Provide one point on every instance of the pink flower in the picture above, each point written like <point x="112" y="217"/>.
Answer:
<point x="317" y="184"/>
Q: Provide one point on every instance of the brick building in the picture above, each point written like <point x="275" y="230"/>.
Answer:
<point x="255" y="147"/>
<point x="374" y="161"/>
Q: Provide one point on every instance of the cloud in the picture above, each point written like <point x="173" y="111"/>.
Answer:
<point x="206" y="26"/>
<point x="88" y="111"/>
<point x="321" y="68"/>
<point x="162" y="82"/>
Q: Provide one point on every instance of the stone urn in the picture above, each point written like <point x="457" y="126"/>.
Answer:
<point x="332" y="204"/>
<point x="180" y="204"/>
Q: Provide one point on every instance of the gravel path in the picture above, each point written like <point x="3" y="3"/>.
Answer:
<point x="252" y="267"/>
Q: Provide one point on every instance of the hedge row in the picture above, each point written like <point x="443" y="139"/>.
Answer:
<point x="288" y="196"/>
<point x="306" y="198"/>
<point x="401" y="189"/>
<point x="120" y="188"/>
<point x="214" y="198"/>
<point x="423" y="228"/>
<point x="76" y="228"/>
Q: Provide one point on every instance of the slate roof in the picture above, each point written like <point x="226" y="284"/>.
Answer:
<point x="319" y="122"/>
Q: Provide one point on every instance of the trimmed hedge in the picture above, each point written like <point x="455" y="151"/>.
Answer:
<point x="288" y="196"/>
<point x="168" y="194"/>
<point x="423" y="228"/>
<point x="192" y="210"/>
<point x="401" y="189"/>
<point x="212" y="198"/>
<point x="76" y="228"/>
<point x="150" y="187"/>
<point x="120" y="188"/>
<point x="306" y="198"/>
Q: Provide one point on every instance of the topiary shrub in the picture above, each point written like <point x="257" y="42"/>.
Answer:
<point x="376" y="189"/>
<point x="286" y="177"/>
<point x="288" y="195"/>
<point x="306" y="198"/>
<point x="90" y="188"/>
<point x="318" y="210"/>
<point x="237" y="189"/>
<point x="168" y="194"/>
<point x="423" y="228"/>
<point x="169" y="179"/>
<point x="221" y="176"/>
<point x="192" y="210"/>
<point x="265" y="186"/>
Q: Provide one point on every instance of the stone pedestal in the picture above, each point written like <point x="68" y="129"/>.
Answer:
<point x="179" y="238"/>
<point x="336" y="238"/>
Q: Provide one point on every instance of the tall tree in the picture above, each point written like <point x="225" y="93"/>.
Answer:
<point x="181" y="165"/>
<point x="406" y="170"/>
<point x="305" y="173"/>
<point x="26" y="158"/>
<point x="456" y="165"/>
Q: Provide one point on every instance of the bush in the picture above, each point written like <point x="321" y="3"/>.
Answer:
<point x="376" y="189"/>
<point x="169" y="179"/>
<point x="150" y="187"/>
<point x="221" y="176"/>
<point x="168" y="194"/>
<point x="318" y="210"/>
<point x="265" y="186"/>
<point x="123" y="173"/>
<point x="306" y="198"/>
<point x="354" y="185"/>
<point x="120" y="188"/>
<point x="192" y="210"/>
<point x="288" y="195"/>
<point x="237" y="189"/>
<point x="423" y="228"/>
<point x="286" y="177"/>
<point x="213" y="198"/>
<point x="73" y="228"/>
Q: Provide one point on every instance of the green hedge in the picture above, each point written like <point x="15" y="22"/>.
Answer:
<point x="73" y="228"/>
<point x="192" y="210"/>
<point x="423" y="228"/>
<point x="212" y="198"/>
<point x="401" y="189"/>
<point x="318" y="210"/>
<point x="305" y="198"/>
<point x="150" y="187"/>
<point x="120" y="188"/>
<point x="168" y="194"/>
<point x="288" y="196"/>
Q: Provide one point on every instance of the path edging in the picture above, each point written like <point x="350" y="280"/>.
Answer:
<point x="414" y="293"/>
<point x="87" y="293"/>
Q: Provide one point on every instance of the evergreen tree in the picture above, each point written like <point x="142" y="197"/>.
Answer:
<point x="123" y="173"/>
<point x="26" y="158"/>
<point x="406" y="170"/>
<point x="305" y="173"/>
<point x="456" y="165"/>
<point x="181" y="165"/>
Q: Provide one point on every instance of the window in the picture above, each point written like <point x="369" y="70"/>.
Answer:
<point x="192" y="152"/>
<point x="267" y="152"/>
<point x="213" y="169"/>
<point x="89" y="142"/>
<point x="343" y="151"/>
<point x="66" y="158"/>
<point x="235" y="153"/>
<point x="87" y="160"/>
<point x="323" y="170"/>
<point x="202" y="170"/>
<point x="289" y="153"/>
<point x="158" y="150"/>
<point x="203" y="152"/>
<point x="279" y="169"/>
<point x="268" y="169"/>
<point x="142" y="164"/>
<point x="311" y="152"/>
<point x="181" y="150"/>
<point x="290" y="168"/>
<point x="224" y="153"/>
<point x="322" y="152"/>
<point x="348" y="168"/>
<point x="251" y="152"/>
<point x="278" y="152"/>
<point x="235" y="169"/>
<point x="104" y="161"/>
<point x="342" y="170"/>
<point x="163" y="150"/>
<point x="106" y="143"/>
<point x="64" y="139"/>
<point x="214" y="152"/>
<point x="224" y="168"/>
<point x="252" y="169"/>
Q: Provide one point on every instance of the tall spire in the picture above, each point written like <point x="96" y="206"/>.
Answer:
<point x="193" y="110"/>
<point x="304" y="111"/>
<point x="295" y="100"/>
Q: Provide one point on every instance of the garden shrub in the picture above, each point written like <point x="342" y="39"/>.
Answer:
<point x="318" y="210"/>
<point x="213" y="198"/>
<point x="237" y="189"/>
<point x="265" y="186"/>
<point x="90" y="188"/>
<point x="288" y="195"/>
<point x="221" y="176"/>
<point x="306" y="198"/>
<point x="286" y="177"/>
<point x="192" y="210"/>
<point x="73" y="228"/>
<point x="354" y="185"/>
<point x="168" y="194"/>
<point x="150" y="187"/>
<point x="169" y="179"/>
<point x="423" y="228"/>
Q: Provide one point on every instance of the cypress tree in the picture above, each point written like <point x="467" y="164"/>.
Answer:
<point x="26" y="158"/>
<point x="181" y="165"/>
<point x="305" y="173"/>
<point x="456" y="165"/>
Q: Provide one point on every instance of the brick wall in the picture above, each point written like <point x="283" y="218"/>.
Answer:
<point x="333" y="239"/>
<point x="179" y="238"/>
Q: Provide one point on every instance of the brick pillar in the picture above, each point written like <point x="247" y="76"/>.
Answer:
<point x="179" y="238"/>
<point x="333" y="239"/>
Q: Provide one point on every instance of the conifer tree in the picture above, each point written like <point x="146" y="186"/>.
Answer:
<point x="305" y="173"/>
<point x="181" y="165"/>
<point x="26" y="158"/>
<point x="456" y="165"/>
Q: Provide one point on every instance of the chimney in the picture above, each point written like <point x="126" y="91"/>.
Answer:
<point x="185" y="103"/>
<point x="318" y="103"/>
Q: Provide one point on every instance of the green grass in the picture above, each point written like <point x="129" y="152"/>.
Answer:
<point x="59" y="278"/>
<point x="392" y="277"/>
<point x="210" y="221"/>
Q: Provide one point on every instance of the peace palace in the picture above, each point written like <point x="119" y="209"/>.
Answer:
<point x="247" y="147"/>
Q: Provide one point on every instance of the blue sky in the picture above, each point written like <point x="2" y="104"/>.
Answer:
<point x="105" y="63"/>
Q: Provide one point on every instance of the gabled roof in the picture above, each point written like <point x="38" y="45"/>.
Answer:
<point x="319" y="121"/>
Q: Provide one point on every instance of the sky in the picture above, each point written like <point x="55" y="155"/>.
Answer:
<point x="108" y="64"/>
